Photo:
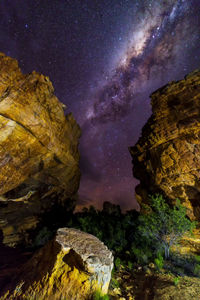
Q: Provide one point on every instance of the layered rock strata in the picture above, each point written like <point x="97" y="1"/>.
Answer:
<point x="73" y="266"/>
<point x="166" y="157"/>
<point x="38" y="151"/>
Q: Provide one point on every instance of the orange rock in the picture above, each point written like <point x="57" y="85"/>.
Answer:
<point x="74" y="266"/>
<point x="166" y="158"/>
<point x="39" y="157"/>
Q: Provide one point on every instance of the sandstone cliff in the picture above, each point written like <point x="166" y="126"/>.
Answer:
<point x="167" y="156"/>
<point x="73" y="266"/>
<point x="38" y="151"/>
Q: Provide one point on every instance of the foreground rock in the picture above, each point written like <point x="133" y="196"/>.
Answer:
<point x="38" y="151"/>
<point x="73" y="266"/>
<point x="167" y="156"/>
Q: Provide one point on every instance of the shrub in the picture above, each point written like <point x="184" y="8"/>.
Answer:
<point x="197" y="270"/>
<point x="114" y="283"/>
<point x="142" y="255"/>
<point x="98" y="296"/>
<point x="118" y="263"/>
<point x="197" y="258"/>
<point x="159" y="261"/>
<point x="163" y="226"/>
<point x="176" y="280"/>
<point x="110" y="225"/>
<point x="130" y="265"/>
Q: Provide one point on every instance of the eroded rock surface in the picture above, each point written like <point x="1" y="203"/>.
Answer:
<point x="94" y="255"/>
<point x="73" y="266"/>
<point x="167" y="156"/>
<point x="38" y="151"/>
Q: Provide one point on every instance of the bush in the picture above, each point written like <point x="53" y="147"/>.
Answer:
<point x="159" y="261"/>
<point x="142" y="255"/>
<point x="197" y="258"/>
<point x="162" y="226"/>
<point x="114" y="283"/>
<point x="110" y="225"/>
<point x="98" y="296"/>
<point x="130" y="265"/>
<point x="118" y="263"/>
<point x="176" y="280"/>
<point x="197" y="270"/>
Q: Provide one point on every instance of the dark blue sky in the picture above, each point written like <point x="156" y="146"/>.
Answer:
<point x="104" y="59"/>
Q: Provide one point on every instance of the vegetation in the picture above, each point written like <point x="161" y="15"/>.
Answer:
<point x="162" y="226"/>
<point x="176" y="280"/>
<point x="138" y="239"/>
<point x="110" y="225"/>
<point x="159" y="261"/>
<point x="98" y="296"/>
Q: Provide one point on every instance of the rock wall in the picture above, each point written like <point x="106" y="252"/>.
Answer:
<point x="166" y="157"/>
<point x="73" y="266"/>
<point x="39" y="158"/>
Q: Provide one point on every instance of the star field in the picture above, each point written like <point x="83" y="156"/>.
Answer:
<point x="104" y="59"/>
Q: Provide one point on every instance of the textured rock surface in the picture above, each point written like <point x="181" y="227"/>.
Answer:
<point x="94" y="255"/>
<point x="38" y="150"/>
<point x="72" y="268"/>
<point x="188" y="244"/>
<point x="167" y="156"/>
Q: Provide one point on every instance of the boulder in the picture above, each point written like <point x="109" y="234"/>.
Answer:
<point x="72" y="266"/>
<point x="166" y="158"/>
<point x="39" y="158"/>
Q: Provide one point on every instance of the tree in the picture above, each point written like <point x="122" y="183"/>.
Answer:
<point x="162" y="226"/>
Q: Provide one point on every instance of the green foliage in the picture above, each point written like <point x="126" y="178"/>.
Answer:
<point x="197" y="258"/>
<point x="176" y="280"/>
<point x="130" y="265"/>
<point x="114" y="283"/>
<point x="142" y="238"/>
<point x="142" y="255"/>
<point x="159" y="261"/>
<point x="118" y="263"/>
<point x="110" y="225"/>
<point x="197" y="270"/>
<point x="98" y="296"/>
<point x="162" y="227"/>
<point x="183" y="265"/>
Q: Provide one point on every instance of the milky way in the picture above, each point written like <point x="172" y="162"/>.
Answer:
<point x="104" y="59"/>
<point x="152" y="48"/>
<point x="154" y="52"/>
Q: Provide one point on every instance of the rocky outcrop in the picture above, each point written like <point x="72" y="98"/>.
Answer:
<point x="73" y="266"/>
<point x="38" y="151"/>
<point x="166" y="158"/>
<point x="94" y="256"/>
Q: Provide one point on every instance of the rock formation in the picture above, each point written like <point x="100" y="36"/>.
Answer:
<point x="38" y="151"/>
<point x="73" y="266"/>
<point x="166" y="158"/>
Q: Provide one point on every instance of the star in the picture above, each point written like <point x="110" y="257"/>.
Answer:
<point x="104" y="58"/>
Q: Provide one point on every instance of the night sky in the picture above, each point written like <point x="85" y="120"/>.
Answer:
<point x="104" y="57"/>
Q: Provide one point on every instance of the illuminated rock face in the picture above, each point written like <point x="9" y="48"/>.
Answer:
<point x="38" y="150"/>
<point x="94" y="256"/>
<point x="73" y="267"/>
<point x="167" y="156"/>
